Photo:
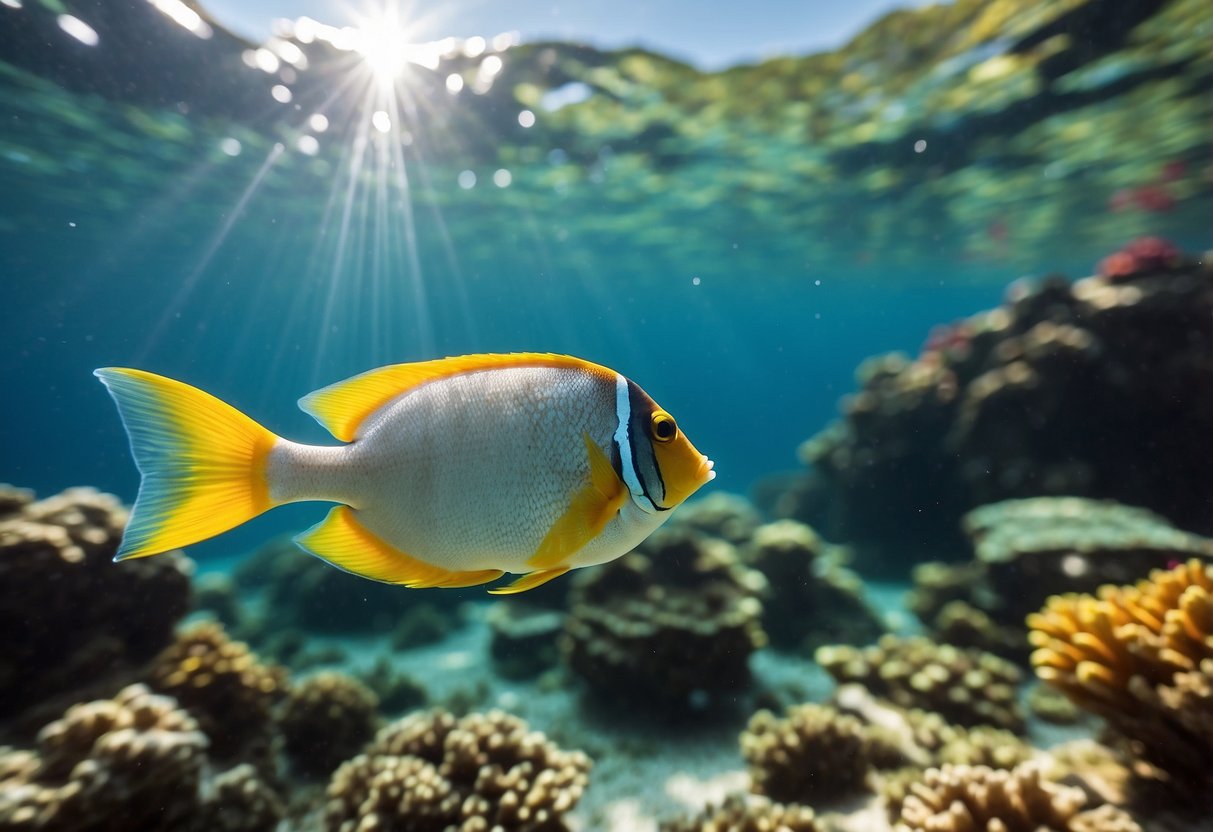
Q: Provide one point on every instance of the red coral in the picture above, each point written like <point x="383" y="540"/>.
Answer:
<point x="1144" y="254"/>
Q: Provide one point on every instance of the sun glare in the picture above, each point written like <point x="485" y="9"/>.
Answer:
<point x="382" y="43"/>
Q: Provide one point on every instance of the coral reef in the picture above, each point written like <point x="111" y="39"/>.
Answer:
<point x="746" y="813"/>
<point x="810" y="598"/>
<point x="133" y="762"/>
<point x="238" y="800"/>
<point x="1141" y="657"/>
<point x="225" y="688"/>
<point x="325" y="720"/>
<point x="433" y="772"/>
<point x="730" y="517"/>
<point x="525" y="638"/>
<point x="1118" y="368"/>
<point x="676" y="617"/>
<point x="1027" y="550"/>
<point x="397" y="692"/>
<point x="812" y="754"/>
<point x="422" y="623"/>
<point x="965" y="686"/>
<point x="216" y="594"/>
<point x="304" y="593"/>
<point x="56" y="567"/>
<point x="980" y="799"/>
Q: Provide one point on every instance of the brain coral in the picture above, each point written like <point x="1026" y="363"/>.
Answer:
<point x="70" y="616"/>
<point x="133" y="762"/>
<point x="1141" y="656"/>
<point x="431" y="771"/>
<point x="325" y="720"/>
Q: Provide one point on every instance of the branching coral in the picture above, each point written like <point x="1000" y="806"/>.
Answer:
<point x="1141" y="656"/>
<point x="433" y="772"/>
<point x="747" y="813"/>
<point x="813" y="753"/>
<point x="979" y="799"/>
<point x="325" y="720"/>
<point x="224" y="686"/>
<point x="677" y="616"/>
<point x="70" y="616"/>
<point x="968" y="687"/>
<point x="133" y="762"/>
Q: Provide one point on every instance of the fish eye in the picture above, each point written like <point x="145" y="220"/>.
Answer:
<point x="663" y="427"/>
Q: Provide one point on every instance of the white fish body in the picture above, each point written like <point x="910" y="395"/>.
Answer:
<point x="456" y="470"/>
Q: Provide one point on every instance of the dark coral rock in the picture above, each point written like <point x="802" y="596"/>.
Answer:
<point x="238" y="800"/>
<point x="728" y="516"/>
<point x="216" y="594"/>
<point x="813" y="754"/>
<point x="397" y="692"/>
<point x="133" y="762"/>
<point x="679" y="615"/>
<point x="433" y="772"/>
<point x="325" y="720"/>
<point x="70" y="615"/>
<point x="1117" y="369"/>
<point x="225" y="688"/>
<point x="1027" y="550"/>
<point x="525" y="638"/>
<point x="305" y="593"/>
<point x="810" y="598"/>
<point x="423" y="623"/>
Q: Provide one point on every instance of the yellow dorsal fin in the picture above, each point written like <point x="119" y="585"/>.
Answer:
<point x="344" y="542"/>
<point x="343" y="407"/>
<point x="530" y="581"/>
<point x="588" y="513"/>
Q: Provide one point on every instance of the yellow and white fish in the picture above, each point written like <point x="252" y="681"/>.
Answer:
<point x="457" y="470"/>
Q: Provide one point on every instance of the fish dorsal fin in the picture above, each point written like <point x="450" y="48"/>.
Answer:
<point x="589" y="511"/>
<point x="343" y="407"/>
<point x="344" y="542"/>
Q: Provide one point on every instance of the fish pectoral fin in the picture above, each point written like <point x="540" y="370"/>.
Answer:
<point x="340" y="539"/>
<point x="587" y="515"/>
<point x="530" y="581"/>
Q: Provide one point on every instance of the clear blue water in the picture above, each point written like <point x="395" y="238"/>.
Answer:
<point x="737" y="242"/>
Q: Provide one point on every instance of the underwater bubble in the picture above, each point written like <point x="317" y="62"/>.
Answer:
<point x="526" y="118"/>
<point x="695" y="281"/>
<point x="454" y="83"/>
<point x="318" y="122"/>
<point x="230" y="146"/>
<point x="266" y="61"/>
<point x="467" y="180"/>
<point x="504" y="41"/>
<point x="12" y="4"/>
<point x="502" y="178"/>
<point x="281" y="94"/>
<point x="381" y="121"/>
<point x="491" y="66"/>
<point x="184" y="17"/>
<point x="308" y="145"/>
<point x="474" y="47"/>
<point x="920" y="145"/>
<point x="78" y="29"/>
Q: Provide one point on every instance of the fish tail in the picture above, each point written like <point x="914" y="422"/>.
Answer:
<point x="204" y="463"/>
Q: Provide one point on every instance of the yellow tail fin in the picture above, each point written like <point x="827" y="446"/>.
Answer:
<point x="203" y="462"/>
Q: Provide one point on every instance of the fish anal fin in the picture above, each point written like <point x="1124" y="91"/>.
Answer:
<point x="343" y="541"/>
<point x="530" y="581"/>
<point x="343" y="407"/>
<point x="587" y="515"/>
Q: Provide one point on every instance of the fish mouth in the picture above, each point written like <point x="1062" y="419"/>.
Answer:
<point x="706" y="472"/>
